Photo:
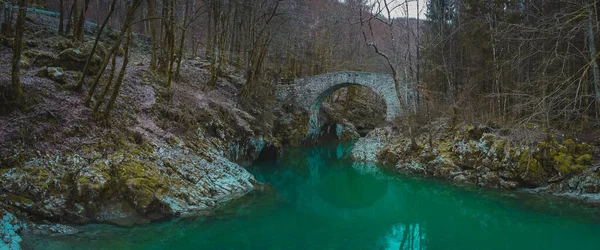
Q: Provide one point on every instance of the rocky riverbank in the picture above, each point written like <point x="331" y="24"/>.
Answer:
<point x="164" y="152"/>
<point x="522" y="159"/>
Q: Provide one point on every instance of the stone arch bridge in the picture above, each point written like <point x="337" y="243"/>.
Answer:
<point x="310" y="92"/>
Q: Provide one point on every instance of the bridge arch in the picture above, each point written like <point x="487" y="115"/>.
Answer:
<point x="310" y="92"/>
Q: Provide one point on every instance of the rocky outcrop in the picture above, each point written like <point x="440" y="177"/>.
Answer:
<point x="10" y="227"/>
<point x="367" y="148"/>
<point x="126" y="187"/>
<point x="478" y="156"/>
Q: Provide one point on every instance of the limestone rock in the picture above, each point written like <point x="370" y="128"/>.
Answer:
<point x="75" y="59"/>
<point x="10" y="227"/>
<point x="55" y="73"/>
<point x="367" y="148"/>
<point x="62" y="44"/>
<point x="40" y="58"/>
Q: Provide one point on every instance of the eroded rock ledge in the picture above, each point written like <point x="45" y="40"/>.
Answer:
<point x="482" y="156"/>
<point x="125" y="188"/>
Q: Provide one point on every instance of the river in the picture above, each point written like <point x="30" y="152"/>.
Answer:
<point x="319" y="199"/>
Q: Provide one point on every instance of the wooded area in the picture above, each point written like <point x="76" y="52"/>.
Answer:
<point x="505" y="61"/>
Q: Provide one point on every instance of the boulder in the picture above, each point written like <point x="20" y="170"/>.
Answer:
<point x="101" y="48"/>
<point x="63" y="44"/>
<point x="75" y="59"/>
<point x="55" y="73"/>
<point x="40" y="58"/>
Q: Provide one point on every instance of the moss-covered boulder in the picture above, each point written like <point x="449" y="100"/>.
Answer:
<point x="101" y="48"/>
<point x="62" y="44"/>
<point x="55" y="73"/>
<point x="75" y="59"/>
<point x="40" y="58"/>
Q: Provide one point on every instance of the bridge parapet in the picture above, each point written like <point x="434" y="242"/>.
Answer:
<point x="310" y="92"/>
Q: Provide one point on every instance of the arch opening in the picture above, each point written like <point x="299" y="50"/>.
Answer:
<point x="360" y="105"/>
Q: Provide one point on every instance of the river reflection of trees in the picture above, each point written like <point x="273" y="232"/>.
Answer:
<point x="405" y="237"/>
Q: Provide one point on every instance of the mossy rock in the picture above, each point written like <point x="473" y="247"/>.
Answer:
<point x="93" y="182"/>
<point x="63" y="44"/>
<point x="101" y="49"/>
<point x="140" y="183"/>
<point x="475" y="132"/>
<point x="55" y="73"/>
<point x="75" y="59"/>
<point x="40" y="58"/>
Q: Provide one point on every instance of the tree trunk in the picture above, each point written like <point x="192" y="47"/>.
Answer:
<point x="182" y="41"/>
<point x="72" y="15"/>
<point x="61" y="17"/>
<point x="117" y="88"/>
<point x="592" y="51"/>
<point x="107" y="86"/>
<point x="17" y="48"/>
<point x="7" y="28"/>
<point x="80" y="24"/>
<point x="91" y="55"/>
<point x="126" y="25"/>
<point x="153" y="53"/>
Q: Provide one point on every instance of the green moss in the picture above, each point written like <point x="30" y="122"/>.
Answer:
<point x="585" y="159"/>
<point x="570" y="146"/>
<point x="173" y="141"/>
<point x="19" y="200"/>
<point x="529" y="167"/>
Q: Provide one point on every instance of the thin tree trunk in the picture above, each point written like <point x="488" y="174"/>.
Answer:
<point x="153" y="53"/>
<point x="17" y="48"/>
<point x="71" y="16"/>
<point x="126" y="25"/>
<point x="107" y="86"/>
<point x="182" y="41"/>
<point x="592" y="51"/>
<point x="61" y="17"/>
<point x="171" y="47"/>
<point x="117" y="88"/>
<point x="80" y="25"/>
<point x="91" y="55"/>
<point x="8" y="17"/>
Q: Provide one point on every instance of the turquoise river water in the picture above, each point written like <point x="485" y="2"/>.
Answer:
<point x="319" y="199"/>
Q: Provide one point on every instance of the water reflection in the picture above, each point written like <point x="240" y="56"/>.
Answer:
<point x="405" y="237"/>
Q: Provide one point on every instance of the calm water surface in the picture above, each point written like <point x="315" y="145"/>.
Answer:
<point x="321" y="200"/>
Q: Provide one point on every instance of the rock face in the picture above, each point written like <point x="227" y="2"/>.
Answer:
<point x="10" y="227"/>
<point x="367" y="148"/>
<point x="126" y="187"/>
<point x="474" y="155"/>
